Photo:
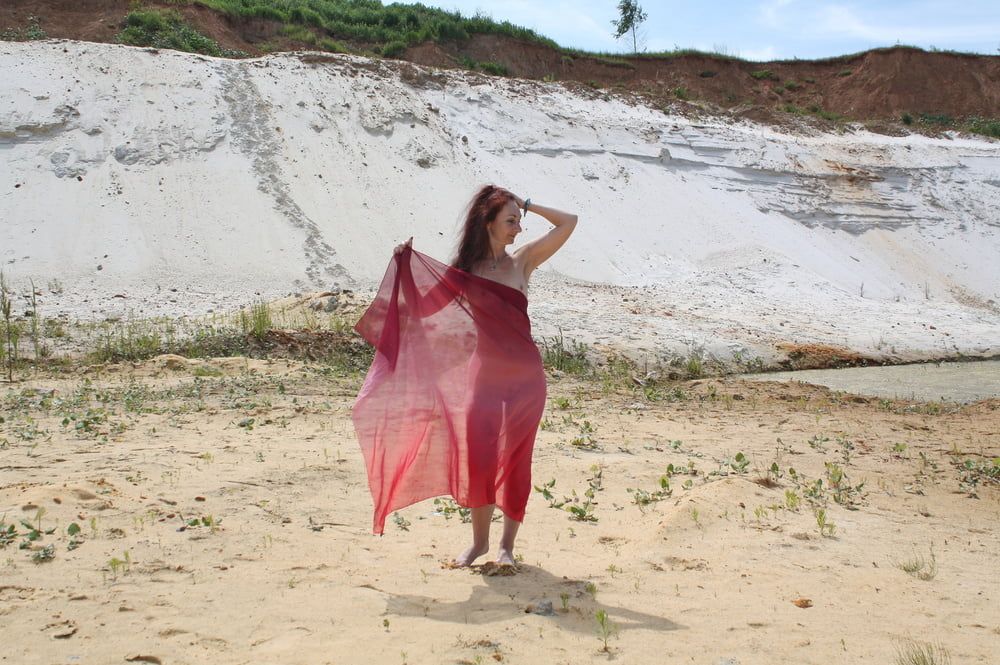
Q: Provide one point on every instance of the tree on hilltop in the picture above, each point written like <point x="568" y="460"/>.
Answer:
<point x="630" y="16"/>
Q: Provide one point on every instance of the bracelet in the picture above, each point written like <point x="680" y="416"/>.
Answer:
<point x="527" y="204"/>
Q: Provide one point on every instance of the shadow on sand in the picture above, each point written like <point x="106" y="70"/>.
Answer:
<point x="505" y="597"/>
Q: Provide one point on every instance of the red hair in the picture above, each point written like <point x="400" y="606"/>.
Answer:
<point x="474" y="245"/>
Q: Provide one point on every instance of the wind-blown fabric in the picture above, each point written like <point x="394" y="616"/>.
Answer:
<point x="452" y="400"/>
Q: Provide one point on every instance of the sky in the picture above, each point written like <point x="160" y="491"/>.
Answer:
<point x="757" y="29"/>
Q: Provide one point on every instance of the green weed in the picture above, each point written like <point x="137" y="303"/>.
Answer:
<point x="919" y="567"/>
<point x="826" y="527"/>
<point x="449" y="508"/>
<point x="606" y="628"/>
<point x="566" y="357"/>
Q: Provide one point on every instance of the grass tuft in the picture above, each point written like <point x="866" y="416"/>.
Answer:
<point x="917" y="653"/>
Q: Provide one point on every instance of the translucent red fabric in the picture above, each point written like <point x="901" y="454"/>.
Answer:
<point x="452" y="400"/>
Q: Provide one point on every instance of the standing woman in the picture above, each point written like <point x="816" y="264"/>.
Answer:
<point x="452" y="401"/>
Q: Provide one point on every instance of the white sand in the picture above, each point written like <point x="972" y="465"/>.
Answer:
<point x="188" y="184"/>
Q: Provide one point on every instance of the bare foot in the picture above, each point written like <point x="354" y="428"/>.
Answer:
<point x="471" y="554"/>
<point x="505" y="557"/>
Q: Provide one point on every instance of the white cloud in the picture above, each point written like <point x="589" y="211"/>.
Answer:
<point x="845" y="21"/>
<point x="771" y="14"/>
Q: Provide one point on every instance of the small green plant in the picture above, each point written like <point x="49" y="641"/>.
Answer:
<point x="494" y="68"/>
<point x="818" y="442"/>
<point x="47" y="553"/>
<point x="973" y="473"/>
<point x="401" y="522"/>
<point x="581" y="510"/>
<point x="826" y="527"/>
<point x="564" y="599"/>
<point x="792" y="500"/>
<point x="739" y="463"/>
<point x="682" y="93"/>
<point x="695" y="367"/>
<point x="763" y="75"/>
<point x="606" y="628"/>
<point x="569" y="357"/>
<point x="257" y="322"/>
<point x="845" y="72"/>
<point x="205" y="520"/>
<point x="641" y="497"/>
<point x="586" y="438"/>
<point x="73" y="530"/>
<point x="937" y="119"/>
<point x="8" y="534"/>
<point x="116" y="565"/>
<point x="449" y="508"/>
<point x="919" y="567"/>
<point x="11" y="331"/>
<point x="844" y="492"/>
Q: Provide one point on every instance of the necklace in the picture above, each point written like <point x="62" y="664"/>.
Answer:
<point x="496" y="260"/>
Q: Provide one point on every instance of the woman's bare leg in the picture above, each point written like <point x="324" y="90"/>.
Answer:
<point x="505" y="557"/>
<point x="481" y="518"/>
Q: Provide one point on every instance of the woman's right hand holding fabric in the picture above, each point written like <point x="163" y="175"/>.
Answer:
<point x="401" y="246"/>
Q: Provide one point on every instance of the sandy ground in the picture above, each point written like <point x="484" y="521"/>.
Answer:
<point x="224" y="517"/>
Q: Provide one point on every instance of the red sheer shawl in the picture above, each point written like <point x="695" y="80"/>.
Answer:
<point x="453" y="398"/>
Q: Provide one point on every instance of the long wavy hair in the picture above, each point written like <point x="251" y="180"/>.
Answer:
<point x="474" y="245"/>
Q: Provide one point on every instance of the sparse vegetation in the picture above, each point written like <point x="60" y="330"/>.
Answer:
<point x="167" y="29"/>
<point x="489" y="67"/>
<point x="391" y="27"/>
<point x="10" y="334"/>
<point x="566" y="357"/>
<point x="30" y="32"/>
<point x="641" y="497"/>
<point x="984" y="126"/>
<point x="823" y="524"/>
<point x="917" y="653"/>
<point x="973" y="473"/>
<point x="917" y="566"/>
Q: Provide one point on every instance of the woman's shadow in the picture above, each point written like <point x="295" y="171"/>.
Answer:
<point x="574" y="603"/>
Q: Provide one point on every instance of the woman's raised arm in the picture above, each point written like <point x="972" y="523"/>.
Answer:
<point x="538" y="251"/>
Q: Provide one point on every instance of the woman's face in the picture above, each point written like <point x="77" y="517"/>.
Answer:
<point x="506" y="225"/>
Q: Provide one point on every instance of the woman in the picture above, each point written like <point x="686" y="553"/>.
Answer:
<point x="452" y="401"/>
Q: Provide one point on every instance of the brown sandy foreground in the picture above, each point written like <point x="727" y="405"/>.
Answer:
<point x="217" y="511"/>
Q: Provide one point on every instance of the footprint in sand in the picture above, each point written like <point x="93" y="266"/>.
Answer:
<point x="488" y="569"/>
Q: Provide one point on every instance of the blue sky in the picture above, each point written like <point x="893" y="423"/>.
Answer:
<point x="758" y="29"/>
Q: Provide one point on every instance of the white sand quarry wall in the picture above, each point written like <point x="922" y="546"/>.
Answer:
<point x="186" y="183"/>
